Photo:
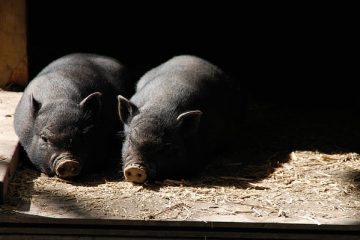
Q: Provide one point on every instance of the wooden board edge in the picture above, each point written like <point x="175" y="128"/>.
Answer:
<point x="9" y="168"/>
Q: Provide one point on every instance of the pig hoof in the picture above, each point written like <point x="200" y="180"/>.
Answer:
<point x="135" y="174"/>
<point x="67" y="169"/>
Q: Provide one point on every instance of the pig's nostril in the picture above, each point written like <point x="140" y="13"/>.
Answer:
<point x="128" y="173"/>
<point x="139" y="175"/>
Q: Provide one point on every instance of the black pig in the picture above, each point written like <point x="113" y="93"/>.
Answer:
<point x="180" y="113"/>
<point x="67" y="116"/>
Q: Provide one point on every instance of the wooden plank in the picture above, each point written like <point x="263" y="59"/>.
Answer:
<point x="46" y="228"/>
<point x="7" y="168"/>
<point x="13" y="53"/>
<point x="8" y="139"/>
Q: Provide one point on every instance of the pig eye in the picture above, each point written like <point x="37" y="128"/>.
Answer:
<point x="87" y="129"/>
<point x="44" y="139"/>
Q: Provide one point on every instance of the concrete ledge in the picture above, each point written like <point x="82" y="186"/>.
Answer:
<point x="8" y="139"/>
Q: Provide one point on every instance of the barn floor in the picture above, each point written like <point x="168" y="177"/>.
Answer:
<point x="289" y="166"/>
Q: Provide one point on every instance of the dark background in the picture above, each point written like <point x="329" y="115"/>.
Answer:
<point x="293" y="56"/>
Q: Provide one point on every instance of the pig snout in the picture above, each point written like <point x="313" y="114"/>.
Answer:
<point x="67" y="168"/>
<point x="135" y="173"/>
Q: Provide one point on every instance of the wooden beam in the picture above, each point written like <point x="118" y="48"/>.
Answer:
<point x="13" y="52"/>
<point x="8" y="139"/>
<point x="30" y="227"/>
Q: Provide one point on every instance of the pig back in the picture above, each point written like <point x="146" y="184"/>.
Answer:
<point x="71" y="78"/>
<point x="190" y="83"/>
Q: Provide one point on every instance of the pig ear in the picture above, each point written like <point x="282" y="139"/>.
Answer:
<point x="92" y="102"/>
<point x="126" y="109"/>
<point x="189" y="121"/>
<point x="35" y="105"/>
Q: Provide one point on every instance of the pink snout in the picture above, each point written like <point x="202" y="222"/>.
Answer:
<point x="67" y="168"/>
<point x="135" y="173"/>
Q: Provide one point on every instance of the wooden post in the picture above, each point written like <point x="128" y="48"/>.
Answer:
<point x="13" y="52"/>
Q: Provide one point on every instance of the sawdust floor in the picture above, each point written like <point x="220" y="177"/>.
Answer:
<point x="288" y="166"/>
